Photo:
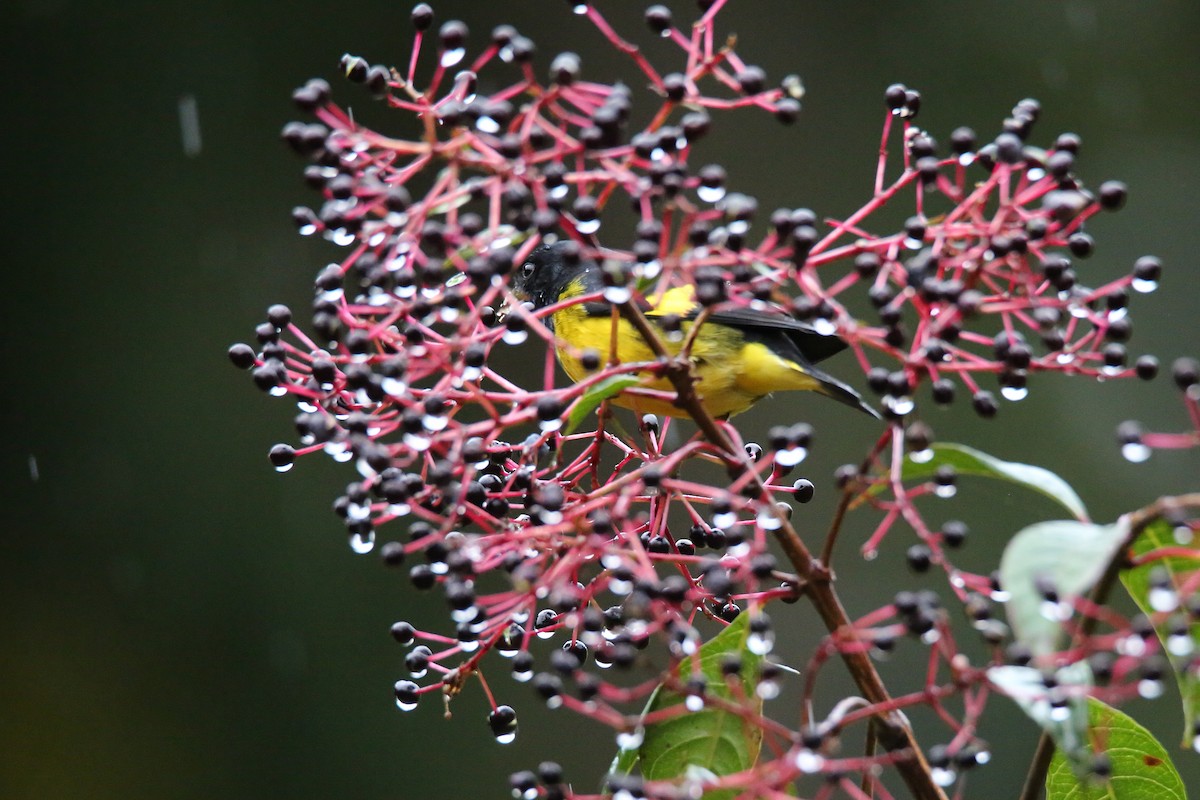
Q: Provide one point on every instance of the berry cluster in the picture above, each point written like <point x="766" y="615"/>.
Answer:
<point x="538" y="523"/>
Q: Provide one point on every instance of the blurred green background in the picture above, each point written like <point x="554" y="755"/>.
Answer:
<point x="178" y="621"/>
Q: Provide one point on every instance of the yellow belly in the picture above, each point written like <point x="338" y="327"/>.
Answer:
<point x="731" y="373"/>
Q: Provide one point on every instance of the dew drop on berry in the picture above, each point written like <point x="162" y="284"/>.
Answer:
<point x="362" y="543"/>
<point x="1135" y="452"/>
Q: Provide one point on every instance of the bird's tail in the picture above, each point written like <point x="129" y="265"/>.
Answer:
<point x="832" y="387"/>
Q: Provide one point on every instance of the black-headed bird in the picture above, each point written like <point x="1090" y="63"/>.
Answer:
<point x="739" y="355"/>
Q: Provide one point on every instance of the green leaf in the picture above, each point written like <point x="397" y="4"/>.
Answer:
<point x="710" y="740"/>
<point x="1061" y="712"/>
<point x="1178" y="569"/>
<point x="597" y="394"/>
<point x="969" y="461"/>
<point x="1065" y="555"/>
<point x="1141" y="768"/>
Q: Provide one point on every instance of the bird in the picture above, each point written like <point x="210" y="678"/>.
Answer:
<point x="739" y="356"/>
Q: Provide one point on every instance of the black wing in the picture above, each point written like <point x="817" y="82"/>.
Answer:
<point x="769" y="327"/>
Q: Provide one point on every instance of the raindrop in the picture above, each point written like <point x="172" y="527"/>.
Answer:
<point x="394" y="386"/>
<point x="1035" y="173"/>
<point x="435" y="422"/>
<point x="1060" y="713"/>
<point x="1144" y="286"/>
<point x="515" y="336"/>
<point x="505" y="738"/>
<point x="452" y="57"/>
<point x="694" y="703"/>
<point x="308" y="230"/>
<point x="809" y="762"/>
<point x="400" y="704"/>
<point x="725" y="519"/>
<point x="418" y="443"/>
<point x="630" y="740"/>
<point x="469" y="647"/>
<point x="944" y="777"/>
<point x="710" y="194"/>
<point x="342" y="237"/>
<point x="767" y="690"/>
<point x="285" y="467"/>
<point x="548" y="426"/>
<point x="791" y="456"/>
<point x="767" y="520"/>
<point x="487" y="125"/>
<point x="307" y="407"/>
<point x="1135" y="452"/>
<point x="358" y="511"/>
<point x="966" y="159"/>
<point x="1180" y="645"/>
<point x="1163" y="598"/>
<point x="946" y="492"/>
<point x="760" y="643"/>
<point x="362" y="543"/>
<point x="587" y="226"/>
<point x="1014" y="393"/>
<point x="902" y="405"/>
<point x="738" y="227"/>
<point x="399" y="509"/>
<point x="922" y="456"/>
<point x="559" y="192"/>
<point x="1150" y="689"/>
<point x="278" y="391"/>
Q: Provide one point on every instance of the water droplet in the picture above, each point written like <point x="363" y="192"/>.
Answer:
<point x="694" y="702"/>
<point x="932" y="636"/>
<point x="418" y="443"/>
<point x="487" y="125"/>
<point x="724" y="520"/>
<point x="870" y="555"/>
<point x="1150" y="689"/>
<point x="922" y="456"/>
<point x="452" y="57"/>
<point x="1035" y="173"/>
<point x="760" y="643"/>
<point x="1132" y="645"/>
<point x="791" y="457"/>
<point x="285" y="467"/>
<point x="900" y="406"/>
<point x="1144" y="286"/>
<point x="1055" y="611"/>
<point x="630" y="740"/>
<point x="308" y="407"/>
<point x="358" y="511"/>
<point x="943" y="776"/>
<point x="550" y="425"/>
<point x="1135" y="452"/>
<point x="1060" y="713"/>
<point x="912" y="244"/>
<point x="620" y="588"/>
<point x="362" y="543"/>
<point x="1014" y="393"/>
<point x="767" y="520"/>
<point x="399" y="509"/>
<point x="588" y="226"/>
<point x="1000" y="596"/>
<point x="809" y="762"/>
<point x="342" y="237"/>
<point x="579" y="8"/>
<point x="710" y="194"/>
<point x="435" y="422"/>
<point x="278" y="391"/>
<point x="468" y="647"/>
<point x="945" y="492"/>
<point x="1163" y="598"/>
<point x="559" y="192"/>
<point x="405" y="706"/>
<point x="1183" y="534"/>
<point x="966" y="159"/>
<point x="738" y="227"/>
<point x="506" y="738"/>
<point x="767" y="690"/>
<point x="515" y="337"/>
<point x="1180" y="645"/>
<point x="394" y="386"/>
<point x="308" y="230"/>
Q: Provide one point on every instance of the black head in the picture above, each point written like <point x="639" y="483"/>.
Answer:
<point x="546" y="272"/>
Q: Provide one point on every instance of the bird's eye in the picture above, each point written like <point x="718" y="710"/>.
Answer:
<point x="527" y="269"/>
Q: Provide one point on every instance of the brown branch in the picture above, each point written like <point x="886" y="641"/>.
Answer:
<point x="894" y="732"/>
<point x="1138" y="521"/>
